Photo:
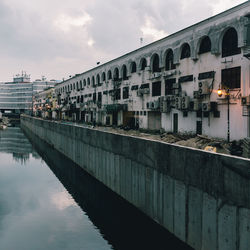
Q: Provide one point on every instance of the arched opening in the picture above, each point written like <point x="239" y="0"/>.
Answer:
<point x="77" y="85"/>
<point x="230" y="43"/>
<point x="88" y="81"/>
<point x="103" y="76"/>
<point x="109" y="75"/>
<point x="93" y="81"/>
<point x="74" y="86"/>
<point x="84" y="82"/>
<point x="124" y="73"/>
<point x="98" y="79"/>
<point x="169" y="62"/>
<point x="116" y="74"/>
<point x="185" y="52"/>
<point x="156" y="64"/>
<point x="81" y="87"/>
<point x="205" y="45"/>
<point x="143" y="63"/>
<point x="133" y="67"/>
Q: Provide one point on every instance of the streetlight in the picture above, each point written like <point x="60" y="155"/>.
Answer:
<point x="227" y="94"/>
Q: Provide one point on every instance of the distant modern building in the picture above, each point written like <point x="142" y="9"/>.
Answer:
<point x="172" y="84"/>
<point x="17" y="97"/>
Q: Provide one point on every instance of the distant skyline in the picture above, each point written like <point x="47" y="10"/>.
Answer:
<point x="60" y="38"/>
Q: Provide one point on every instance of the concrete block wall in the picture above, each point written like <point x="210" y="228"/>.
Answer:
<point x="203" y="198"/>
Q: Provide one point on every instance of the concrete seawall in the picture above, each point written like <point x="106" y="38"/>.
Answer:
<point x="203" y="198"/>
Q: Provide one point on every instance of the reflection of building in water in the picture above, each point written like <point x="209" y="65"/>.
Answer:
<point x="12" y="140"/>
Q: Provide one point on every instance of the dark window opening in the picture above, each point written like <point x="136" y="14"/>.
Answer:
<point x="94" y="97"/>
<point x="84" y="82"/>
<point x="116" y="74"/>
<point x="98" y="80"/>
<point x="117" y="94"/>
<point x="156" y="88"/>
<point x="88" y="81"/>
<point x="169" y="63"/>
<point x="125" y="92"/>
<point x="230" y="78"/>
<point x="99" y="98"/>
<point x="103" y="77"/>
<point x="74" y="86"/>
<point x="185" y="52"/>
<point x="206" y="75"/>
<point x="144" y="86"/>
<point x="81" y="87"/>
<point x="156" y="64"/>
<point x="124" y="73"/>
<point x="205" y="45"/>
<point x="133" y="67"/>
<point x="169" y="86"/>
<point x="230" y="43"/>
<point x="134" y="87"/>
<point x="109" y="75"/>
<point x="188" y="78"/>
<point x="143" y="64"/>
<point x="93" y="81"/>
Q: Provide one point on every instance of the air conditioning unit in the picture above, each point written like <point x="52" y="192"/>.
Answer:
<point x="176" y="85"/>
<point x="175" y="91"/>
<point x="156" y="75"/>
<point x="139" y="92"/>
<point x="196" y="105"/>
<point x="151" y="105"/>
<point x="185" y="102"/>
<point x="169" y="73"/>
<point x="178" y="102"/>
<point x="156" y="104"/>
<point x="165" y="107"/>
<point x="196" y="94"/>
<point x="206" y="106"/>
<point x="245" y="100"/>
<point x="203" y="88"/>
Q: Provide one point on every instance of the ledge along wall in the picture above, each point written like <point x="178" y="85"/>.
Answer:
<point x="202" y="198"/>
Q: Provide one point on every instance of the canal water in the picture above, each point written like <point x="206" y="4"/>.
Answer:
<point x="47" y="202"/>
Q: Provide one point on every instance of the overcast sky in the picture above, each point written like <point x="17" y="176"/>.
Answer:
<point x="58" y="38"/>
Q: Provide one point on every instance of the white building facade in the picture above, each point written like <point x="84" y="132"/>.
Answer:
<point x="172" y="84"/>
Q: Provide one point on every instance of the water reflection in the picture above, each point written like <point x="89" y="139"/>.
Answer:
<point x="12" y="140"/>
<point x="36" y="211"/>
<point x="121" y="224"/>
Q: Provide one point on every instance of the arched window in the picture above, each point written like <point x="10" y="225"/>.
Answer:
<point x="88" y="80"/>
<point x="185" y="52"/>
<point x="77" y="85"/>
<point x="124" y="72"/>
<point x="133" y="67"/>
<point x="71" y="87"/>
<point x="143" y="63"/>
<point x="205" y="45"/>
<point x="169" y="63"/>
<point x="74" y="86"/>
<point x="230" y="43"/>
<point x="93" y="81"/>
<point x="156" y="64"/>
<point x="84" y="82"/>
<point x="98" y="79"/>
<point x="103" y="77"/>
<point x="109" y="75"/>
<point x="116" y="74"/>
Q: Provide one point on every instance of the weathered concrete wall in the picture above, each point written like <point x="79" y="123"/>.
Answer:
<point x="203" y="198"/>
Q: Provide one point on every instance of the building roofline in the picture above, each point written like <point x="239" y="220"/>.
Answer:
<point x="226" y="12"/>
